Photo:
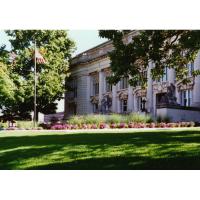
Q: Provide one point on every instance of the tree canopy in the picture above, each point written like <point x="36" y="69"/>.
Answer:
<point x="56" y="48"/>
<point x="164" y="48"/>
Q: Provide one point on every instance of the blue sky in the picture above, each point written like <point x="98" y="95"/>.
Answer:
<point x="84" y="39"/>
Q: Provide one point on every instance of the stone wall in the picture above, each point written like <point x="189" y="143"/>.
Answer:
<point x="180" y="113"/>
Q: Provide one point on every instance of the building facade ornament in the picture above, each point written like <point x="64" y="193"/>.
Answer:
<point x="123" y="94"/>
<point x="189" y="86"/>
<point x="160" y="87"/>
<point x="94" y="99"/>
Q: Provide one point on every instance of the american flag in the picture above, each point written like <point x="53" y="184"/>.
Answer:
<point x="39" y="57"/>
<point x="12" y="56"/>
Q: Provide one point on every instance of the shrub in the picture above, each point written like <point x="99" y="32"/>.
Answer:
<point x="113" y="125"/>
<point x="165" y="119"/>
<point x="84" y="126"/>
<point x="74" y="126"/>
<point x="163" y="125"/>
<point x="159" y="119"/>
<point x="102" y="125"/>
<point x="54" y="120"/>
<point x="122" y="125"/>
<point x="76" y="120"/>
<point x="45" y="126"/>
<point x="171" y="125"/>
<point x="152" y="125"/>
<point x="191" y="124"/>
<point x="3" y="125"/>
<point x="57" y="127"/>
<point x="131" y="125"/>
<point x="94" y="119"/>
<point x="26" y="124"/>
<point x="114" y="118"/>
<point x="94" y="126"/>
<point x="138" y="118"/>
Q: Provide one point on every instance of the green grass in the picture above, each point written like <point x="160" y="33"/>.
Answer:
<point x="162" y="149"/>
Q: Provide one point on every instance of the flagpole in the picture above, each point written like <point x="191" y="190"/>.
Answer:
<point x="35" y="84"/>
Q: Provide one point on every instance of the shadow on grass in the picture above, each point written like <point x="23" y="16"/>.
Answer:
<point x="126" y="163"/>
<point x="14" y="150"/>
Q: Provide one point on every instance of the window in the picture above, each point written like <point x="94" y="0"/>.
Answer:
<point x="124" y="83"/>
<point x="74" y="86"/>
<point x="95" y="86"/>
<point x="95" y="108"/>
<point x="164" y="77"/>
<point x="144" y="76"/>
<point x="124" y="106"/>
<point x="108" y="86"/>
<point x="186" y="97"/>
<point x="141" y="104"/>
<point x="190" y="68"/>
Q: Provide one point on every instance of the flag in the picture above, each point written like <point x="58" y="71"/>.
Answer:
<point x="39" y="57"/>
<point x="12" y="57"/>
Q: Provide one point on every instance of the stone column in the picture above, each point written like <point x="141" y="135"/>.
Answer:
<point x="154" y="105"/>
<point x="101" y="86"/>
<point x="149" y="90"/>
<point x="89" y="93"/>
<point x="135" y="103"/>
<point x="66" y="106"/>
<point x="114" y="98"/>
<point x="130" y="99"/>
<point x="196" y="88"/>
<point x="171" y="75"/>
<point x="118" y="105"/>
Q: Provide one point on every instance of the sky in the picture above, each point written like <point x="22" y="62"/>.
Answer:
<point x="84" y="39"/>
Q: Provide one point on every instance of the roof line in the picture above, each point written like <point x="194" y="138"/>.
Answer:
<point x="106" y="42"/>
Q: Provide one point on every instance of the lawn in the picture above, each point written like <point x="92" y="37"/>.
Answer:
<point x="161" y="149"/>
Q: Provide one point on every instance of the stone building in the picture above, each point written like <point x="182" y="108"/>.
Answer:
<point x="91" y="92"/>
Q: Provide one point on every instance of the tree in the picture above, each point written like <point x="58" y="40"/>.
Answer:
<point x="164" y="48"/>
<point x="56" y="48"/>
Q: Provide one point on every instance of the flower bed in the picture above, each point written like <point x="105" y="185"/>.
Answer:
<point x="121" y="125"/>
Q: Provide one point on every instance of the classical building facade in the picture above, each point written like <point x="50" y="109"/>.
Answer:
<point x="91" y="92"/>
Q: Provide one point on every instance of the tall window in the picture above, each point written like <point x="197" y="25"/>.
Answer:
<point x="95" y="108"/>
<point x="124" y="83"/>
<point x="164" y="77"/>
<point x="141" y="104"/>
<point x="74" y="86"/>
<point x="124" y="106"/>
<point x="186" y="97"/>
<point x="190" y="68"/>
<point x="95" y="86"/>
<point x="108" y="85"/>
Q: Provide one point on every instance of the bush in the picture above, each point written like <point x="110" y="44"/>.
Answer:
<point x="165" y="119"/>
<point x="191" y="124"/>
<point x="76" y="120"/>
<point x="54" y="120"/>
<point x="94" y="126"/>
<point x="113" y="125"/>
<point x="94" y="119"/>
<point x="138" y="118"/>
<point x="26" y="124"/>
<point x="123" y="125"/>
<point x="114" y="118"/>
<point x="102" y="125"/>
<point x="3" y="125"/>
